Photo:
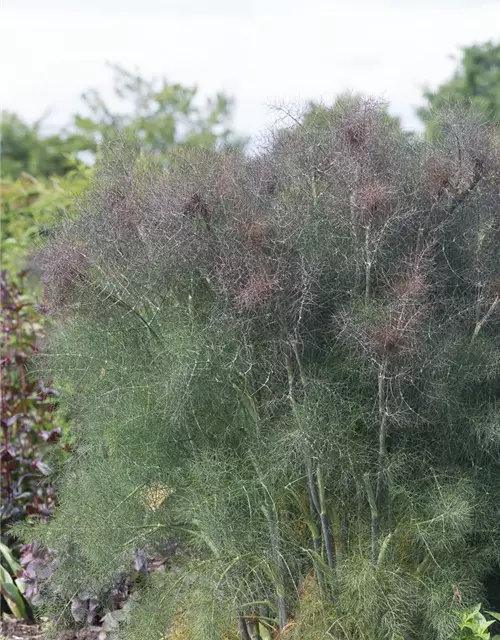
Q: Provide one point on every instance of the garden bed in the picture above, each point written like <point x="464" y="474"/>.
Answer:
<point x="19" y="630"/>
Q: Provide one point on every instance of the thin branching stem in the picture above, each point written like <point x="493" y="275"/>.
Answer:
<point x="480" y="324"/>
<point x="368" y="262"/>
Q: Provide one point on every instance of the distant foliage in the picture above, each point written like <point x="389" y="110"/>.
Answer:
<point x="159" y="114"/>
<point x="27" y="149"/>
<point x="287" y="366"/>
<point x="475" y="82"/>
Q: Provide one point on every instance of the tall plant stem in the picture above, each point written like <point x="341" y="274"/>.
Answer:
<point x="295" y="350"/>
<point x="480" y="323"/>
<point x="314" y="191"/>
<point x="325" y="529"/>
<point x="368" y="264"/>
<point x="314" y="508"/>
<point x="382" y="438"/>
<point x="280" y="586"/>
<point x="315" y="505"/>
<point x="374" y="518"/>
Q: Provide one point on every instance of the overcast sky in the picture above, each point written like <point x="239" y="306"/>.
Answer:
<point x="262" y="52"/>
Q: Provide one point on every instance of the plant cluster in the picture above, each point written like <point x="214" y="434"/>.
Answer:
<point x="476" y="626"/>
<point x="29" y="427"/>
<point x="289" y="366"/>
<point x="30" y="207"/>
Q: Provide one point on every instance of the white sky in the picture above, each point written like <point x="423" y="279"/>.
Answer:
<point x="262" y="52"/>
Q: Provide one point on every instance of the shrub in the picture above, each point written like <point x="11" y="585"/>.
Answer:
<point x="30" y="207"/>
<point x="29" y="426"/>
<point x="29" y="433"/>
<point x="288" y="365"/>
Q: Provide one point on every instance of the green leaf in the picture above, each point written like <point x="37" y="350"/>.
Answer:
<point x="494" y="614"/>
<point x="12" y="593"/>
<point x="5" y="577"/>
<point x="21" y="585"/>
<point x="264" y="632"/>
<point x="9" y="558"/>
<point x="15" y="600"/>
<point x="248" y="403"/>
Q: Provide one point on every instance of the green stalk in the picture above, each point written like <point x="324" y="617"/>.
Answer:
<point x="382" y="446"/>
<point x="279" y="582"/>
<point x="374" y="515"/>
<point x="368" y="264"/>
<point x="374" y="500"/>
<point x="383" y="549"/>
<point x="482" y="321"/>
<point x="311" y="487"/>
<point x="338" y="535"/>
<point x="315" y="535"/>
<point x="327" y="537"/>
<point x="313" y="496"/>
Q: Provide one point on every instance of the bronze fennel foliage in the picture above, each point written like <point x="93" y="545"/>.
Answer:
<point x="290" y="364"/>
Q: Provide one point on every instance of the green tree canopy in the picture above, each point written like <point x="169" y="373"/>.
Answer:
<point x="476" y="81"/>
<point x="160" y="114"/>
<point x="26" y="149"/>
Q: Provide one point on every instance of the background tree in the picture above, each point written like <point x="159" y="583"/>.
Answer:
<point x="25" y="148"/>
<point x="476" y="81"/>
<point x="161" y="115"/>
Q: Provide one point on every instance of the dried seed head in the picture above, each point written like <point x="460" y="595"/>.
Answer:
<point x="411" y="288"/>
<point x="258" y="233"/>
<point x="256" y="292"/>
<point x="156" y="494"/>
<point x="387" y="339"/>
<point x="371" y="200"/>
<point x="197" y="207"/>
<point x="359" y="123"/>
<point x="438" y="176"/>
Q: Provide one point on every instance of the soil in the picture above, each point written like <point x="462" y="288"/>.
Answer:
<point x="91" y="633"/>
<point x="19" y="630"/>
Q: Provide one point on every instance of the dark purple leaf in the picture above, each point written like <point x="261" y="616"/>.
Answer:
<point x="13" y="419"/>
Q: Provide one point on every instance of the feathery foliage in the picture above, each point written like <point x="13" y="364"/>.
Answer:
<point x="289" y="364"/>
